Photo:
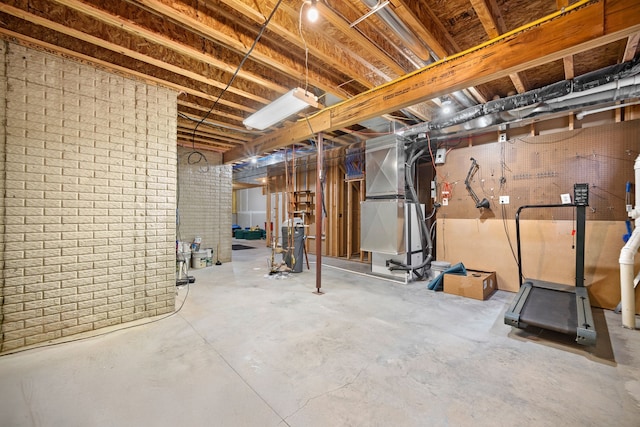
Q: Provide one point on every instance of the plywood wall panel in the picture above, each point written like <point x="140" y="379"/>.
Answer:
<point x="547" y="252"/>
<point x="537" y="169"/>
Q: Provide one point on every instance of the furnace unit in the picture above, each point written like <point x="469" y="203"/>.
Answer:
<point x="390" y="228"/>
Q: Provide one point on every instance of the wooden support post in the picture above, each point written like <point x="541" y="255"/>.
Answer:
<point x="572" y="121"/>
<point x="319" y="197"/>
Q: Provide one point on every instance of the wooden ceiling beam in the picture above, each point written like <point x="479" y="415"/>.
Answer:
<point x="569" y="71"/>
<point x="213" y="131"/>
<point x="631" y="47"/>
<point x="43" y="45"/>
<point x="320" y="47"/>
<point x="490" y="17"/>
<point x="567" y="61"/>
<point x="364" y="44"/>
<point x="199" y="146"/>
<point x="188" y="133"/>
<point x="421" y="19"/>
<point x="205" y="109"/>
<point x="204" y="24"/>
<point x="219" y="142"/>
<point x="386" y="43"/>
<point x="216" y="124"/>
<point x="479" y="96"/>
<point x="493" y="23"/>
<point x="63" y="29"/>
<point x="519" y="81"/>
<point x="163" y="40"/>
<point x="571" y="31"/>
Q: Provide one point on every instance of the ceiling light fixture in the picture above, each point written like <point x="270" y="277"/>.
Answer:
<point x="447" y="105"/>
<point x="312" y="13"/>
<point x="287" y="105"/>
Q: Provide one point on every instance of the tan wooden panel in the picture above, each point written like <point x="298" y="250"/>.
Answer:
<point x="538" y="169"/>
<point x="547" y="253"/>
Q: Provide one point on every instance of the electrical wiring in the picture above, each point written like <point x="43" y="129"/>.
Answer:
<point x="190" y="160"/>
<point x="218" y="125"/>
<point x="447" y="188"/>
<point x="235" y="73"/>
<point x="102" y="334"/>
<point x="506" y="232"/>
<point x="306" y="48"/>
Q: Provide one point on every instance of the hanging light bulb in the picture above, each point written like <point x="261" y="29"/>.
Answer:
<point x="312" y="13"/>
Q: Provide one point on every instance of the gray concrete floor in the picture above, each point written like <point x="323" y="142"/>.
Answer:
<point x="248" y="350"/>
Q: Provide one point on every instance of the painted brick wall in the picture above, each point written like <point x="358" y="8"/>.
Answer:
<point x="204" y="201"/>
<point x="89" y="207"/>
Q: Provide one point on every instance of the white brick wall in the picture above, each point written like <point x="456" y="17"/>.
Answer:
<point x="89" y="208"/>
<point x="204" y="201"/>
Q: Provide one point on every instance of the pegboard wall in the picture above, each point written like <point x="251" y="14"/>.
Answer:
<point x="535" y="170"/>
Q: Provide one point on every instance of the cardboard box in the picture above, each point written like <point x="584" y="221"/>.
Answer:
<point x="476" y="284"/>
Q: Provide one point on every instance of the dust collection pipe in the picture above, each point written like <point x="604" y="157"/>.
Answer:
<point x="627" y="256"/>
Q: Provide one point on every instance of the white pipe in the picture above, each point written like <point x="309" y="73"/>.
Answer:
<point x="627" y="257"/>
<point x="581" y="115"/>
<point x="615" y="85"/>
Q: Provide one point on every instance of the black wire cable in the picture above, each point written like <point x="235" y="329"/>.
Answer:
<point x="84" y="338"/>
<point x="235" y="74"/>
<point x="508" y="235"/>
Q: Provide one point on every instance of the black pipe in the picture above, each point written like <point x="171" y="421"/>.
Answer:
<point x="425" y="236"/>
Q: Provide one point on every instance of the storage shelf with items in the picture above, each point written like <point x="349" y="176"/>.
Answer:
<point x="303" y="203"/>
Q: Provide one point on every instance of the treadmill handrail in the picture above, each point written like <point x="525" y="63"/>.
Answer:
<point x="520" y="209"/>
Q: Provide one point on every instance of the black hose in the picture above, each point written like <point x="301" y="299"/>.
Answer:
<point x="425" y="236"/>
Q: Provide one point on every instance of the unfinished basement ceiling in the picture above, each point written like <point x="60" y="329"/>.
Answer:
<point x="356" y="50"/>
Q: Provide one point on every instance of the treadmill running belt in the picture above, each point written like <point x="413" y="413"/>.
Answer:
<point x="551" y="309"/>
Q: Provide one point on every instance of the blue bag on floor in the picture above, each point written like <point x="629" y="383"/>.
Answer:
<point x="436" y="284"/>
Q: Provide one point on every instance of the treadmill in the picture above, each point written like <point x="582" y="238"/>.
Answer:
<point x="554" y="306"/>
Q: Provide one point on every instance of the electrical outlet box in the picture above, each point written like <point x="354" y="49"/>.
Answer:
<point x="504" y="200"/>
<point x="441" y="155"/>
<point x="502" y="137"/>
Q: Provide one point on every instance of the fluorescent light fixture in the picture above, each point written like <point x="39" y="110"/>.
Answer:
<point x="287" y="105"/>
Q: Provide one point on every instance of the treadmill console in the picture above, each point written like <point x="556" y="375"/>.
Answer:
<point x="581" y="194"/>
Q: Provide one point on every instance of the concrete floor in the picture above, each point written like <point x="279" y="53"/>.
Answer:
<point x="248" y="350"/>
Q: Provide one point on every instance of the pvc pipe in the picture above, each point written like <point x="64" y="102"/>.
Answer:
<point x="627" y="257"/>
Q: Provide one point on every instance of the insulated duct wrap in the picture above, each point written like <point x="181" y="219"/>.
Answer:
<point x="610" y="84"/>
